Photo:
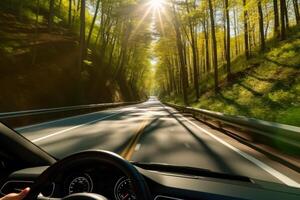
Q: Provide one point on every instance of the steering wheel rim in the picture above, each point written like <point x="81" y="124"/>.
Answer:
<point x="139" y="185"/>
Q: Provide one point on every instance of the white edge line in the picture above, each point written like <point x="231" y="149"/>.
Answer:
<point x="58" y="120"/>
<point x="74" y="127"/>
<point x="137" y="147"/>
<point x="283" y="178"/>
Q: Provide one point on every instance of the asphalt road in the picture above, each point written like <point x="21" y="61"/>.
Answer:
<point x="152" y="132"/>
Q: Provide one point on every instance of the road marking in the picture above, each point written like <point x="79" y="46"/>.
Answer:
<point x="66" y="118"/>
<point x="137" y="147"/>
<point x="283" y="178"/>
<point x="187" y="145"/>
<point x="74" y="127"/>
<point x="132" y="145"/>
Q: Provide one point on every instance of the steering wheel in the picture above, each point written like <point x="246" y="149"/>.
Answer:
<point x="139" y="185"/>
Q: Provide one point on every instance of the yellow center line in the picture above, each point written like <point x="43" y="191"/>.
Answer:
<point x="128" y="151"/>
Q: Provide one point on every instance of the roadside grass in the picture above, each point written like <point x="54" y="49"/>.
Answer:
<point x="265" y="87"/>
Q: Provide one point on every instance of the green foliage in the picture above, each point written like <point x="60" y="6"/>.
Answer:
<point x="290" y="116"/>
<point x="116" y="66"/>
<point x="266" y="87"/>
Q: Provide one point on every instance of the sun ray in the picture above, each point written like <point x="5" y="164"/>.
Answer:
<point x="156" y="4"/>
<point x="161" y="23"/>
<point x="142" y="19"/>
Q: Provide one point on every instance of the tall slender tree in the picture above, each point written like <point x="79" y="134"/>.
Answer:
<point x="296" y="10"/>
<point x="194" y="47"/>
<point x="261" y="26"/>
<point x="214" y="45"/>
<point x="282" y="20"/>
<point x="180" y="48"/>
<point x="93" y="23"/>
<point x="82" y="43"/>
<point x="228" y="49"/>
<point x="70" y="13"/>
<point x="246" y="30"/>
<point x="51" y="14"/>
<point x="276" y="19"/>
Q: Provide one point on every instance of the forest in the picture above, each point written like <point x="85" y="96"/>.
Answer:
<point x="238" y="57"/>
<point x="70" y="52"/>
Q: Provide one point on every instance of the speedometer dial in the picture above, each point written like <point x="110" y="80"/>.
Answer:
<point x="80" y="184"/>
<point x="123" y="190"/>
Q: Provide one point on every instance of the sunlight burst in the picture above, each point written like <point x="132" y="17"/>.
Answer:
<point x="156" y="4"/>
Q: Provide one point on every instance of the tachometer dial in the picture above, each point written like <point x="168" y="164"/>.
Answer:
<point x="123" y="190"/>
<point x="80" y="184"/>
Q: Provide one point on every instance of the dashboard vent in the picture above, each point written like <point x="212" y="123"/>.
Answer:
<point x="14" y="186"/>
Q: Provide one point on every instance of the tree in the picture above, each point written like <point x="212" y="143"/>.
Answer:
<point x="276" y="19"/>
<point x="70" y="13"/>
<point x="180" y="48"/>
<point x="228" y="61"/>
<point x="296" y="9"/>
<point x="205" y="30"/>
<point x="246" y="36"/>
<point x="93" y="23"/>
<point x="282" y="20"/>
<point x="261" y="26"/>
<point x="236" y="42"/>
<point x="82" y="43"/>
<point x="193" y="37"/>
<point x="33" y="61"/>
<point x="51" y="14"/>
<point x="214" y="45"/>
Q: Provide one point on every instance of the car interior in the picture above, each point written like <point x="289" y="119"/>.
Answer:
<point x="99" y="175"/>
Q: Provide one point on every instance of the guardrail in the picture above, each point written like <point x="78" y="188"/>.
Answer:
<point x="28" y="117"/>
<point x="9" y="115"/>
<point x="280" y="134"/>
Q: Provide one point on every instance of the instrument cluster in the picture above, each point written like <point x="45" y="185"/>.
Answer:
<point x="105" y="181"/>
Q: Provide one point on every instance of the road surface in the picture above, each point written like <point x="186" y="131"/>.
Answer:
<point x="153" y="132"/>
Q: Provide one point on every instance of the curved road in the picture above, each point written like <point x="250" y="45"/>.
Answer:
<point x="152" y="132"/>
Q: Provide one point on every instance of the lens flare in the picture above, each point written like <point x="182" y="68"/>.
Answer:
<point x="156" y="4"/>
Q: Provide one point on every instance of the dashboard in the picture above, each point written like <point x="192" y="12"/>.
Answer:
<point x="100" y="179"/>
<point x="111" y="183"/>
<point x="163" y="184"/>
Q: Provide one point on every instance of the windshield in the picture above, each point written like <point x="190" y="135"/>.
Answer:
<point x="205" y="84"/>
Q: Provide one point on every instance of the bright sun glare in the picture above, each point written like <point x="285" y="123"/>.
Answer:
<point x="156" y="4"/>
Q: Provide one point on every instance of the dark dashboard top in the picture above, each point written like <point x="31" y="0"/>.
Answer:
<point x="171" y="185"/>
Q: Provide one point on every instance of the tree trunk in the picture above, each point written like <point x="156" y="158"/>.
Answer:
<point x="228" y="65"/>
<point x="296" y="8"/>
<point x="82" y="43"/>
<point x="246" y="36"/>
<point x="207" y="59"/>
<point x="34" y="52"/>
<point x="282" y="20"/>
<point x="286" y="15"/>
<point x="261" y="26"/>
<point x="184" y="79"/>
<point x="224" y="33"/>
<point x="195" y="54"/>
<point x="235" y="33"/>
<point x="92" y="24"/>
<point x="214" y="45"/>
<point x="51" y="15"/>
<point x="276" y="19"/>
<point x="70" y="13"/>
